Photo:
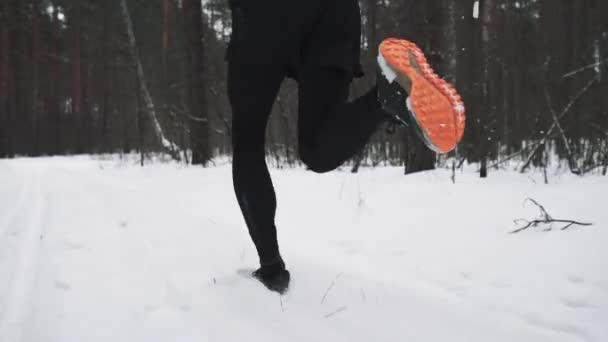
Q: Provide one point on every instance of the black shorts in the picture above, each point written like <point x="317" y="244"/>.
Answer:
<point x="296" y="32"/>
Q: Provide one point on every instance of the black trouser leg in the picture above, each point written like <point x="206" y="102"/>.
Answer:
<point x="331" y="129"/>
<point x="252" y="91"/>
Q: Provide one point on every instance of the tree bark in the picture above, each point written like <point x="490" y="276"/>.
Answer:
<point x="166" y="86"/>
<point x="77" y="77"/>
<point x="35" y="76"/>
<point x="140" y="125"/>
<point x="370" y="14"/>
<point x="107" y="73"/>
<point x="21" y="73"/>
<point x="5" y="47"/>
<point x="56" y="138"/>
<point x="489" y="37"/>
<point x="143" y="88"/>
<point x="199" y="123"/>
<point x="417" y="156"/>
<point x="449" y="40"/>
<point x="165" y="43"/>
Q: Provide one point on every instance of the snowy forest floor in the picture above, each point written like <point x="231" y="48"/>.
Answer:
<point x="94" y="250"/>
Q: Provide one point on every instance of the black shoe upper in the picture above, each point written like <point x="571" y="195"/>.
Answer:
<point x="274" y="276"/>
<point x="393" y="99"/>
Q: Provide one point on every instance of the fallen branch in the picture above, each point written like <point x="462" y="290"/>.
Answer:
<point x="545" y="218"/>
<point x="333" y="283"/>
<point x="343" y="308"/>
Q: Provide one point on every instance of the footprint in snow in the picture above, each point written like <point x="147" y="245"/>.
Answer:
<point x="348" y="247"/>
<point x="574" y="279"/>
<point x="497" y="284"/>
<point x="351" y="251"/>
<point x="557" y="327"/>
<point x="399" y="253"/>
<point x="62" y="285"/>
<point x="577" y="303"/>
<point x="466" y="275"/>
<point x="73" y="246"/>
<point x="165" y="312"/>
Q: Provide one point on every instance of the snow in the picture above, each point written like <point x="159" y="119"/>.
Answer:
<point x="102" y="250"/>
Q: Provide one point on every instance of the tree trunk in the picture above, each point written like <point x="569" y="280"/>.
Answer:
<point x="140" y="124"/>
<point x="55" y="139"/>
<point x="5" y="47"/>
<point x="371" y="17"/>
<point x="489" y="37"/>
<point x="165" y="38"/>
<point x="199" y="124"/>
<point x="107" y="74"/>
<point x="417" y="156"/>
<point x="449" y="40"/>
<point x="35" y="76"/>
<point x="143" y="88"/>
<point x="21" y="120"/>
<point x="77" y="78"/>
<point x="166" y="86"/>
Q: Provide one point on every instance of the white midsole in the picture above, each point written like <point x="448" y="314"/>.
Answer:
<point x="389" y="73"/>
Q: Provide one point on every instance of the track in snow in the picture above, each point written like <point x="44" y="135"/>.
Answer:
<point x="151" y="254"/>
<point x="24" y="224"/>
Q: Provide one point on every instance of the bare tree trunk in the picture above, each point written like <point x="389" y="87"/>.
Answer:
<point x="140" y="124"/>
<point x="107" y="74"/>
<point x="165" y="72"/>
<point x="77" y="77"/>
<point x="21" y="72"/>
<point x="5" y="47"/>
<point x="35" y="75"/>
<point x="449" y="40"/>
<point x="488" y="15"/>
<point x="417" y="156"/>
<point x="143" y="88"/>
<point x="165" y="38"/>
<point x="55" y="140"/>
<point x="370" y="7"/>
<point x="199" y="123"/>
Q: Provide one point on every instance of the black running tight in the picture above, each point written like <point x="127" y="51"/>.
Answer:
<point x="330" y="131"/>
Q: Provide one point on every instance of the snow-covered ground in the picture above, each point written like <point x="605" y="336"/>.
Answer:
<point x="105" y="251"/>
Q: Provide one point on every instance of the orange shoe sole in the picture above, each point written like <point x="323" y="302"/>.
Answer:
<point x="435" y="105"/>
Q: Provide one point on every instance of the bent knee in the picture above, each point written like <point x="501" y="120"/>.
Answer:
<point x="316" y="163"/>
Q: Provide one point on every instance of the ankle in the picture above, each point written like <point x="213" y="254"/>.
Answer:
<point x="272" y="266"/>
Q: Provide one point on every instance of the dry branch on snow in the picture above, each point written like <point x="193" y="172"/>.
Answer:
<point x="545" y="219"/>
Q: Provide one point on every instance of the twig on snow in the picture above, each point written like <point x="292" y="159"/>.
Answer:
<point x="545" y="218"/>
<point x="337" y="311"/>
<point x="333" y="283"/>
